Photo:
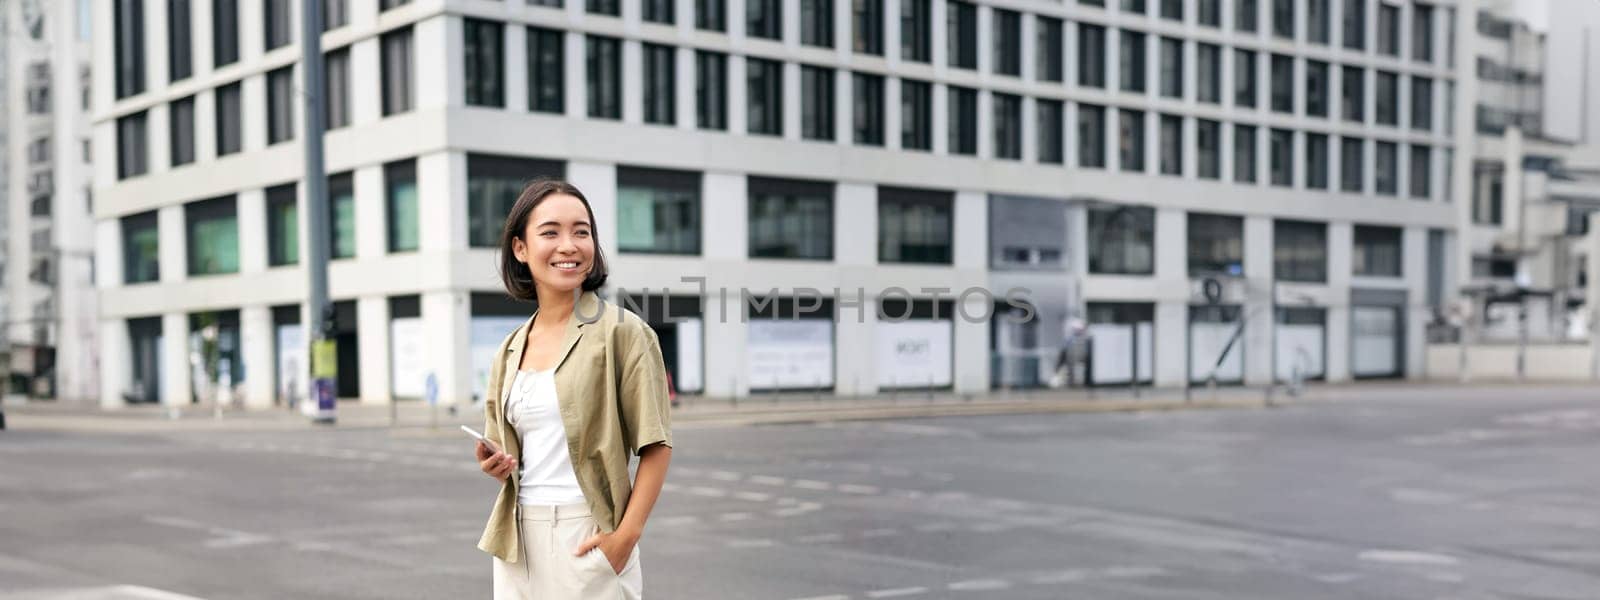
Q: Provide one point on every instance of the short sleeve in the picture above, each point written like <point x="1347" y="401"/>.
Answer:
<point x="642" y="388"/>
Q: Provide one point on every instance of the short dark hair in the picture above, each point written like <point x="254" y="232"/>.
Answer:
<point x="516" y="275"/>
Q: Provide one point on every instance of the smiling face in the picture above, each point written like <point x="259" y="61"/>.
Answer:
<point x="557" y="244"/>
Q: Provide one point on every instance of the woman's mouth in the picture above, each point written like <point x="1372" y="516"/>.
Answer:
<point x="566" y="266"/>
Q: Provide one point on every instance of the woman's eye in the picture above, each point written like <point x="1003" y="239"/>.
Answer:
<point x="582" y="233"/>
<point x="548" y="234"/>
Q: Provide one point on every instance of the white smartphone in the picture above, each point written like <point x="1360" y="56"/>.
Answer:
<point x="485" y="440"/>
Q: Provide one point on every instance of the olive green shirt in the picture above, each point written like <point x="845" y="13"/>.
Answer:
<point x="611" y="386"/>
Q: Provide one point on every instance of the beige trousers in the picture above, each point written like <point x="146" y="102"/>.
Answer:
<point x="549" y="571"/>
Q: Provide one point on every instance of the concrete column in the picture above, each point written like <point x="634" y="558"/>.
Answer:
<point x="1030" y="130"/>
<point x="985" y="124"/>
<point x="372" y="320"/>
<point x="366" y="74"/>
<point x="575" y="64"/>
<point x="252" y="223"/>
<point x="738" y="93"/>
<point x="158" y="140"/>
<point x="891" y="35"/>
<point x="791" y="94"/>
<point x="855" y="372"/>
<point x="726" y="368"/>
<point x="844" y="130"/>
<point x="1341" y="240"/>
<point x="1260" y="320"/>
<point x="599" y="183"/>
<point x="633" y="76"/>
<point x="891" y="111"/>
<point x="108" y="254"/>
<point x="446" y="326"/>
<point x="1592" y="245"/>
<point x="252" y="37"/>
<point x="372" y="229"/>
<point x="441" y="179"/>
<point x="1171" y="340"/>
<point x="252" y="113"/>
<point x="725" y="208"/>
<point x="436" y="49"/>
<point x="258" y="338"/>
<point x="971" y="344"/>
<point x="1414" y="253"/>
<point x="1172" y="310"/>
<point x="516" y="49"/>
<point x="116" y="365"/>
<point x="939" y="46"/>
<point x="940" y="107"/>
<point x="175" y="360"/>
<point x="205" y="130"/>
<point x="173" y="249"/>
<point x="684" y="83"/>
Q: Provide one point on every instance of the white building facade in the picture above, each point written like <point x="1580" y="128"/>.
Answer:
<point x="1116" y="159"/>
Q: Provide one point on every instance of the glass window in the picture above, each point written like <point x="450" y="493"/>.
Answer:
<point x="1130" y="140"/>
<point x="384" y="5"/>
<point x="1007" y="42"/>
<point x="1350" y="157"/>
<point x="791" y="219"/>
<point x="1121" y="240"/>
<point x="1387" y="174"/>
<point x="1316" y="88"/>
<point x="660" y="95"/>
<point x="1317" y="161"/>
<point x="485" y="62"/>
<point x="341" y="216"/>
<point x="336" y="78"/>
<point x="916" y="115"/>
<point x="141" y="241"/>
<point x="1049" y="123"/>
<point x="659" y="11"/>
<point x="1422" y="33"/>
<point x="764" y="85"/>
<point x="1244" y="78"/>
<point x="1210" y="13"/>
<point x="658" y="211"/>
<point x="1488" y="181"/>
<point x="1376" y="252"/>
<point x="400" y="198"/>
<point x="1208" y="136"/>
<point x="1208" y="77"/>
<point x="1300" y="251"/>
<point x="1353" y="97"/>
<point x="1421" y="172"/>
<point x="1130" y="61"/>
<point x="604" y="74"/>
<point x="546" y="70"/>
<point x="1049" y="48"/>
<point x="711" y="89"/>
<point x="1172" y="9"/>
<point x="764" y="19"/>
<point x="1282" y="83"/>
<point x="1244" y="154"/>
<point x="1317" y="21"/>
<point x="228" y="126"/>
<point x="816" y="23"/>
<point x="1388" y="99"/>
<point x="276" y="23"/>
<point x="1421" y="103"/>
<point x="962" y="29"/>
<point x="1091" y="136"/>
<point x="129" y="42"/>
<point x="1133" y="6"/>
<point x="1007" y="126"/>
<point x="868" y="26"/>
<point x="1216" y="245"/>
<point x="1171" y="67"/>
<point x="493" y="183"/>
<point x="1091" y="56"/>
<point x="1283" y="18"/>
<point x="711" y="15"/>
<point x="283" y="226"/>
<point x="1244" y="16"/>
<point x="212" y="227"/>
<point x="224" y="32"/>
<point x="1388" y="29"/>
<point x="181" y="116"/>
<point x="604" y="7"/>
<point x="916" y="31"/>
<point x="180" y="39"/>
<point x="868" y="110"/>
<point x="133" y="146"/>
<point x="1171" y="145"/>
<point x="396" y="50"/>
<point x="816" y="103"/>
<point x="915" y="226"/>
<point x="1355" y="24"/>
<point x="1282" y="147"/>
<point x="280" y="105"/>
<point x="963" y="107"/>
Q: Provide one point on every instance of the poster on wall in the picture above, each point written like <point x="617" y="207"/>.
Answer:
<point x="790" y="354"/>
<point x="690" y="370"/>
<point x="485" y="337"/>
<point x="407" y="366"/>
<point x="292" y="369"/>
<point x="913" y="353"/>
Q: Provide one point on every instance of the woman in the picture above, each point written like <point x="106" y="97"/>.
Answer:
<point x="572" y="394"/>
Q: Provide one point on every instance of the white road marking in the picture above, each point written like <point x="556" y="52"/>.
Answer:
<point x="1407" y="557"/>
<point x="725" y="476"/>
<point x="736" y="516"/>
<point x="980" y="585"/>
<point x="1068" y="576"/>
<point x="768" y="480"/>
<point x="897" y="592"/>
<point x="759" y="543"/>
<point x="833" y="597"/>
<point x="810" y="484"/>
<point x="857" y="489"/>
<point x="223" y="537"/>
<point x="708" y="492"/>
<point x="752" y="496"/>
<point x="877" y="533"/>
<point x="819" y="538"/>
<point x="936" y="527"/>
<point x="139" y="591"/>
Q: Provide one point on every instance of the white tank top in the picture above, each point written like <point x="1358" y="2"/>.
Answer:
<point x="547" y="478"/>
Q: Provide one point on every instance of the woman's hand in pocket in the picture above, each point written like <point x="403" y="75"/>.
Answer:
<point x="494" y="463"/>
<point x="615" y="547"/>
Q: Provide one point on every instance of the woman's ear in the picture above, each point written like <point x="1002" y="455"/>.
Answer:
<point x="519" y="250"/>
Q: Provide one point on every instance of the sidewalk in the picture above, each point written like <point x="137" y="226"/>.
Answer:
<point x="695" y="411"/>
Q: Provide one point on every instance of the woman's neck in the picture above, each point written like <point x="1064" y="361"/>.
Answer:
<point x="554" y="306"/>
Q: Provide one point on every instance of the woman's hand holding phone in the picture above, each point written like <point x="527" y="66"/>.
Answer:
<point x="491" y="460"/>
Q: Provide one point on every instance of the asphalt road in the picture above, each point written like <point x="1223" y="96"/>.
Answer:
<point x="1416" y="493"/>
